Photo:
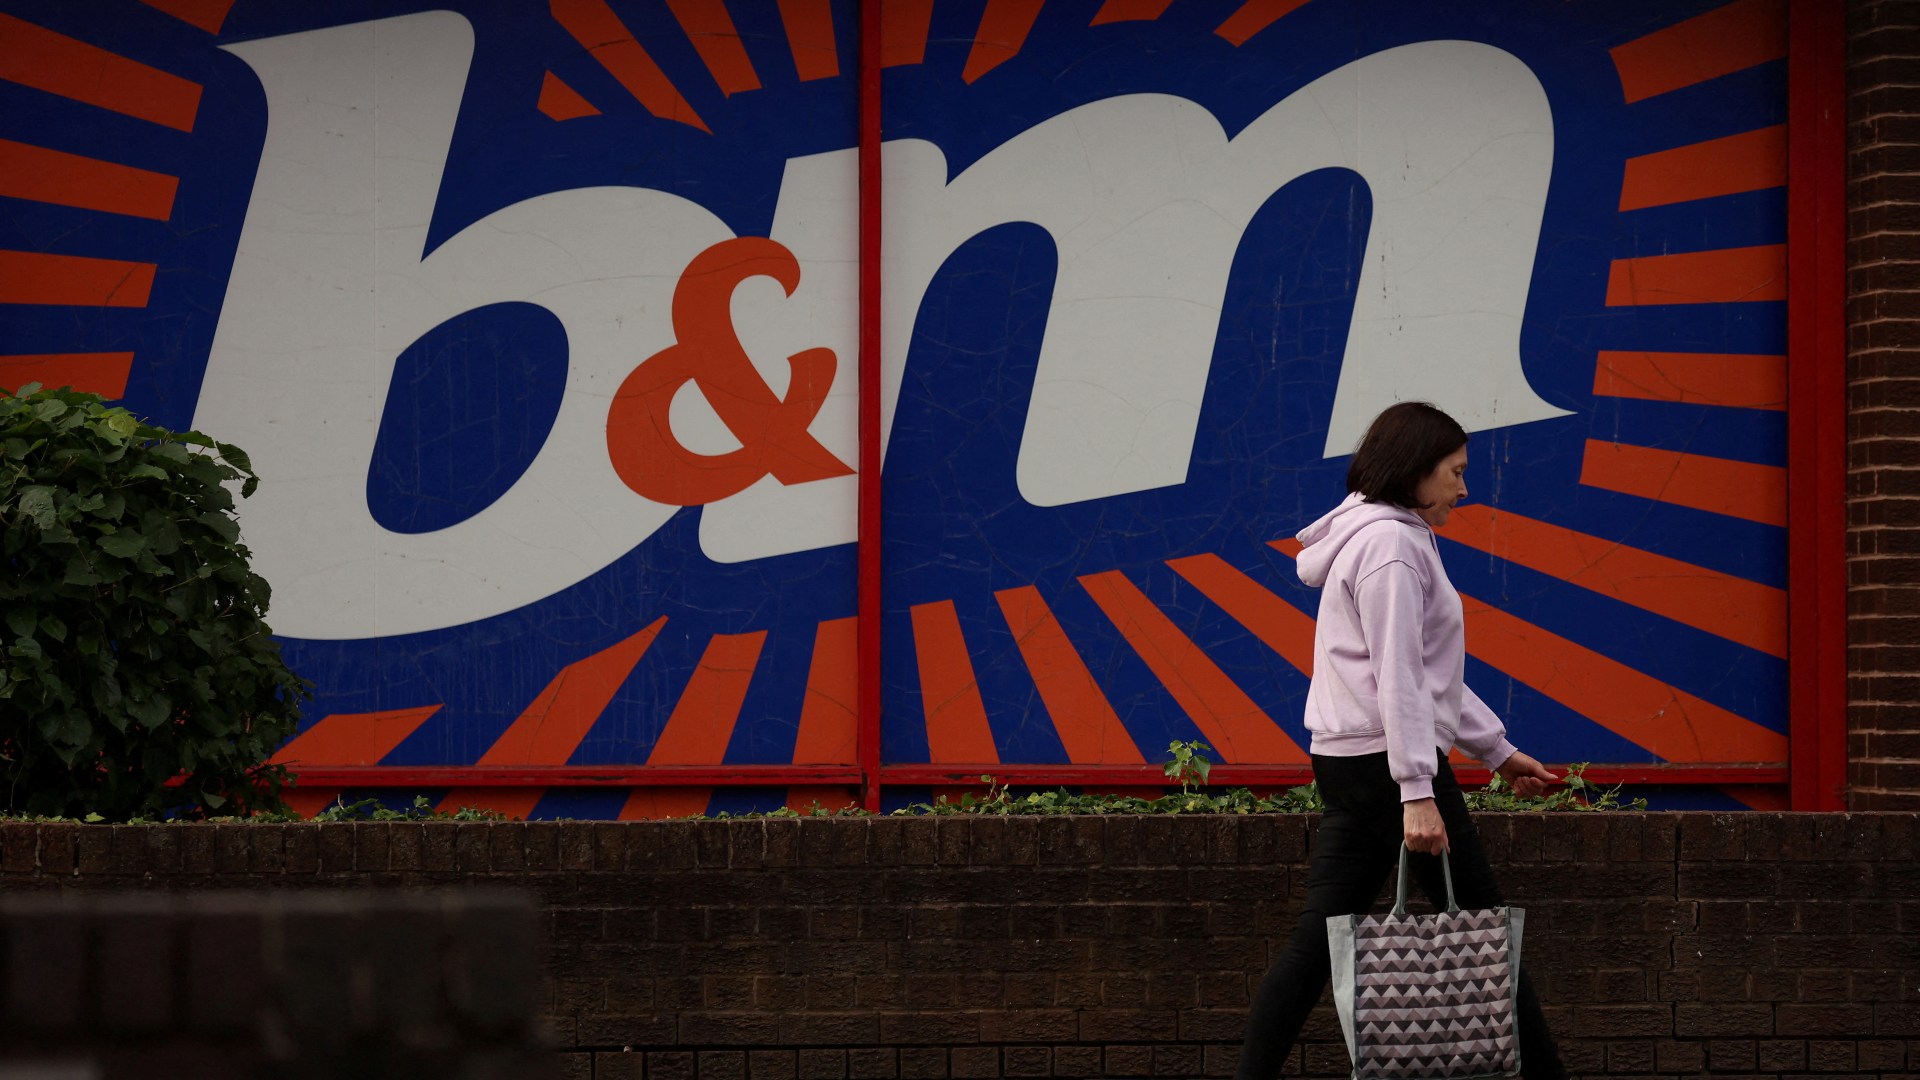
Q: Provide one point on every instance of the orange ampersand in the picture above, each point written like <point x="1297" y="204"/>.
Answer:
<point x="772" y="432"/>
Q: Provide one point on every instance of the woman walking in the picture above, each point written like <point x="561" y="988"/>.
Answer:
<point x="1386" y="703"/>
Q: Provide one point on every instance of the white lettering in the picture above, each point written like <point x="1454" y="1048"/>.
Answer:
<point x="1144" y="196"/>
<point x="330" y="285"/>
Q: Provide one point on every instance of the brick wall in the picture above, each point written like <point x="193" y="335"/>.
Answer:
<point x="1883" y="404"/>
<point x="1666" y="944"/>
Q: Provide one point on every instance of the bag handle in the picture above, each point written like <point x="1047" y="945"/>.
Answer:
<point x="1400" y="887"/>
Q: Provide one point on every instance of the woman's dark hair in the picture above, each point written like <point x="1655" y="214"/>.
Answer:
<point x="1401" y="446"/>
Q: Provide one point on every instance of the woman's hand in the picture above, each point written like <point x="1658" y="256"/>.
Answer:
<point x="1426" y="833"/>
<point x="1526" y="776"/>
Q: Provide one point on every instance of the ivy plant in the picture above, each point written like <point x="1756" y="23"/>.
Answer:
<point x="138" y="677"/>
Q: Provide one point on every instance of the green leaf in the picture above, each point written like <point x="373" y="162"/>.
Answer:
<point x="112" y="506"/>
<point x="68" y="734"/>
<point x="163" y="537"/>
<point x="228" y="528"/>
<point x="235" y="456"/>
<point x="150" y="711"/>
<point x="114" y="531"/>
<point x="36" y="505"/>
<point x="123" y="545"/>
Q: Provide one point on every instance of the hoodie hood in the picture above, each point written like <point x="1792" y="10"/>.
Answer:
<point x="1322" y="541"/>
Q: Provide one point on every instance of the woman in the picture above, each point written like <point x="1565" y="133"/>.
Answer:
<point x="1385" y="705"/>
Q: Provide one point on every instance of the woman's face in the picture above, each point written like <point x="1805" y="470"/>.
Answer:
<point x="1444" y="486"/>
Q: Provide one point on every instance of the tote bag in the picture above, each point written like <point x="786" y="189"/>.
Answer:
<point x="1429" y="995"/>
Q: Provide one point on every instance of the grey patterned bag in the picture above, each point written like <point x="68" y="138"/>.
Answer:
<point x="1429" y="995"/>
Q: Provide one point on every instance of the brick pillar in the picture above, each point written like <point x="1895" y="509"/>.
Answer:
<point x="1883" y="404"/>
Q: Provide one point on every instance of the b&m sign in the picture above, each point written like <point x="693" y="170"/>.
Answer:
<point x="541" y="324"/>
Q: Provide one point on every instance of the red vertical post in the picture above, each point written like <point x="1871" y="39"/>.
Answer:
<point x="869" y="469"/>
<point x="1816" y="404"/>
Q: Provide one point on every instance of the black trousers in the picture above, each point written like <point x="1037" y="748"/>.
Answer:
<point x="1355" y="851"/>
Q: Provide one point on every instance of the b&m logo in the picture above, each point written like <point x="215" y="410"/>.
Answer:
<point x="540" y="324"/>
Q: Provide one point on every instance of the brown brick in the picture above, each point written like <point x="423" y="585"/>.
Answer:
<point x="610" y="844"/>
<point x="92" y="847"/>
<point x="576" y="845"/>
<point x="370" y="845"/>
<point x="1711" y="837"/>
<point x="772" y="1065"/>
<point x="874" y="1063"/>
<point x="542" y="840"/>
<point x="128" y="849"/>
<point x="1880" y="1054"/>
<point x="1221" y="1059"/>
<point x="974" y="1061"/>
<point x="19" y="848"/>
<point x="336" y="847"/>
<point x="951" y="839"/>
<point x="473" y="846"/>
<point x="1896" y="1018"/>
<point x="1177" y="1060"/>
<point x="822" y="1065"/>
<point x="163" y="848"/>
<point x="1080" y="1061"/>
<point x="1726" y="1055"/>
<point x="923" y="1063"/>
<point x="1722" y="1019"/>
<point x="1780" y="1055"/>
<point x="709" y="840"/>
<point x="300" y="843"/>
<point x="1633" y="1056"/>
<point x="618" y="1065"/>
<point x="1673" y="1056"/>
<point x="1129" y="1060"/>
<point x="1023" y="841"/>
<point x="267" y="848"/>
<point x="746" y="844"/>
<point x="406" y="846"/>
<point x="729" y="991"/>
<point x="670" y="1065"/>
<point x="1027" y="1061"/>
<point x="1831" y="1055"/>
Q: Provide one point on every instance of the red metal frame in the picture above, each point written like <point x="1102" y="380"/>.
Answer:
<point x="949" y="775"/>
<point x="868" y="633"/>
<point x="1816" y="404"/>
<point x="430" y="776"/>
<point x="1260" y="776"/>
<point x="1816" y="450"/>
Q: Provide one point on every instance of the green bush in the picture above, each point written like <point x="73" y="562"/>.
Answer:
<point x="137" y="676"/>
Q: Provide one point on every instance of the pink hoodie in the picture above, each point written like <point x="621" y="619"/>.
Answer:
<point x="1390" y="647"/>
